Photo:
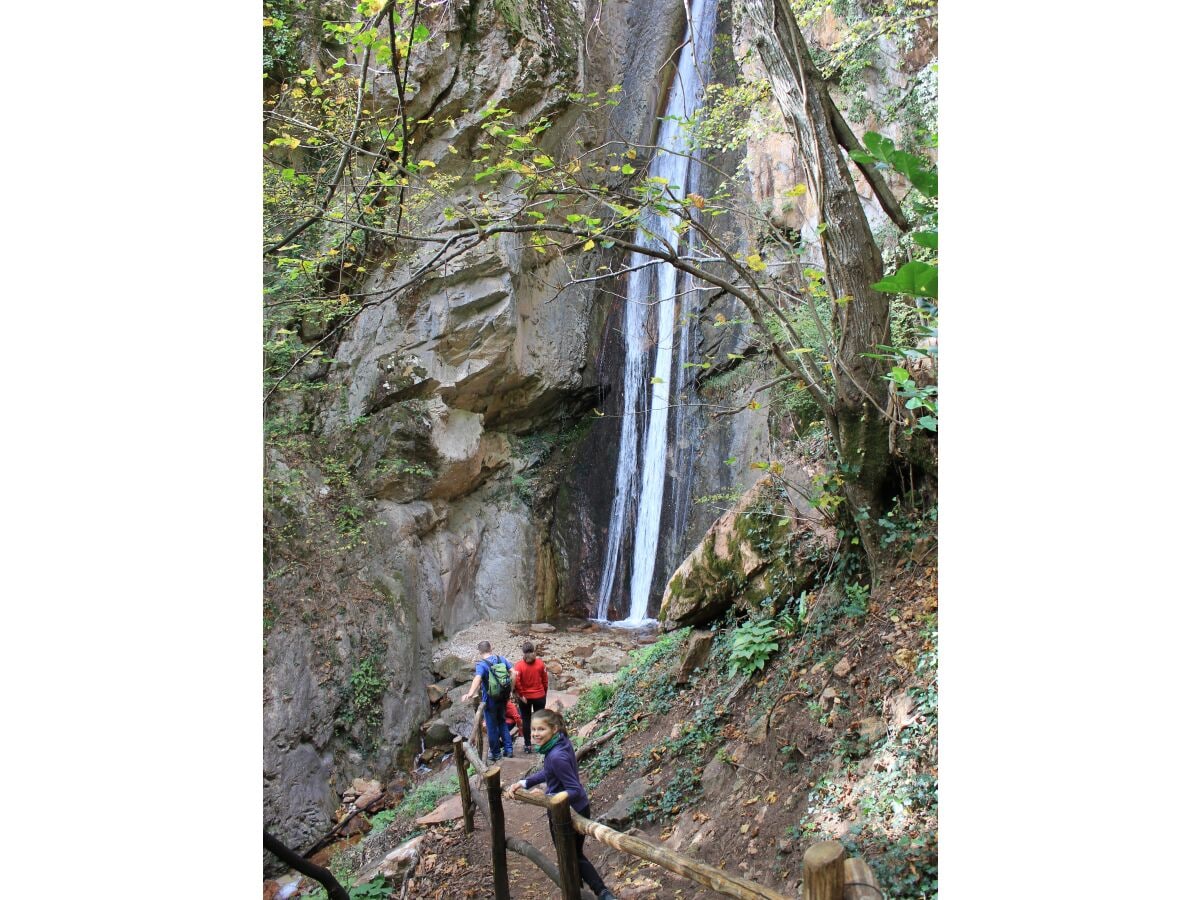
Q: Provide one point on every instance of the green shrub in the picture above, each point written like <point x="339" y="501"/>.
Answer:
<point x="752" y="645"/>
<point x="380" y="821"/>
<point x="426" y="796"/>
<point x="594" y="701"/>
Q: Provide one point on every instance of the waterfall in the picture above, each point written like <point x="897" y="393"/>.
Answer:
<point x="642" y="455"/>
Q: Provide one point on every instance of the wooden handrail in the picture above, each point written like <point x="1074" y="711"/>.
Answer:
<point x="464" y="783"/>
<point x="474" y="760"/>
<point x="478" y="732"/>
<point x="691" y="869"/>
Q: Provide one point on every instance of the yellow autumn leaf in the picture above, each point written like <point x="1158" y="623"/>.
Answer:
<point x="589" y="245"/>
<point x="755" y="263"/>
<point x="798" y="191"/>
<point x="631" y="153"/>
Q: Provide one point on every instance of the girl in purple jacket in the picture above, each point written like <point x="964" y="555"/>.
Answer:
<point x="560" y="772"/>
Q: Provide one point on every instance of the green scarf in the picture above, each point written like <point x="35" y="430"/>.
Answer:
<point x="545" y="748"/>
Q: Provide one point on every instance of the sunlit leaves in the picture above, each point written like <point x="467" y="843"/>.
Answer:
<point x="882" y="150"/>
<point x="916" y="278"/>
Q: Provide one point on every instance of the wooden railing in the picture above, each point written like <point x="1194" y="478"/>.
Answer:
<point x="828" y="873"/>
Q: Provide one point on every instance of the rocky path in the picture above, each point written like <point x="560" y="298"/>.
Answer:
<point x="577" y="652"/>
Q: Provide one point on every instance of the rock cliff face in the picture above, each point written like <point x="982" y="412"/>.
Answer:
<point x="427" y="499"/>
<point x="456" y="472"/>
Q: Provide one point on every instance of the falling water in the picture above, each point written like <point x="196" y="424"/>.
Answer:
<point x="641" y="477"/>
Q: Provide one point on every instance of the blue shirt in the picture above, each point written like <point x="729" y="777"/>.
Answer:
<point x="481" y="669"/>
<point x="560" y="772"/>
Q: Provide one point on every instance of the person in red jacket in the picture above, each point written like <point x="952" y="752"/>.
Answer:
<point x="530" y="684"/>
<point x="511" y="715"/>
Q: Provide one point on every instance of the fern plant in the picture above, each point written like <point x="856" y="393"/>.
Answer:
<point x="752" y="645"/>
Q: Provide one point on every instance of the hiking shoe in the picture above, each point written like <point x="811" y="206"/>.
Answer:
<point x="493" y="759"/>
<point x="606" y="894"/>
<point x="528" y="749"/>
<point x="508" y="754"/>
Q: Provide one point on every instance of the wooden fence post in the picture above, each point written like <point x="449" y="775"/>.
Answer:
<point x="564" y="843"/>
<point x="499" y="849"/>
<point x="464" y="784"/>
<point x="478" y="732"/>
<point x="860" y="881"/>
<point x="824" y="873"/>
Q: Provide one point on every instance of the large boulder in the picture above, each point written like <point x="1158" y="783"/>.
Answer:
<point x="755" y="552"/>
<point x="695" y="654"/>
<point x="606" y="660"/>
<point x="620" y="814"/>
<point x="455" y="669"/>
<point x="437" y="733"/>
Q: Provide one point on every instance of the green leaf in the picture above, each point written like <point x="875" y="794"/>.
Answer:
<point x="899" y="374"/>
<point x="879" y="146"/>
<point x="420" y="34"/>
<point x="916" y="278"/>
<point x="927" y="239"/>
<point x="657" y="380"/>
<point x="929" y="422"/>
<point x="620" y="210"/>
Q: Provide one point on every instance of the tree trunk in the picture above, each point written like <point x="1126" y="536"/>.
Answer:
<point x="861" y="320"/>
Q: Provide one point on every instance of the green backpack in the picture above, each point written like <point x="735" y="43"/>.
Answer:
<point x="499" y="679"/>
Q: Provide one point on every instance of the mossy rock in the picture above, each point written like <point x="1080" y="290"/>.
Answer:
<point x="746" y="559"/>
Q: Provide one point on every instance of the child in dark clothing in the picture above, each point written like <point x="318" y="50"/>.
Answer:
<point x="560" y="772"/>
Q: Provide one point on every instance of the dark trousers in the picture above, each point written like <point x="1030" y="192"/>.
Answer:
<point x="497" y="730"/>
<point x="586" y="870"/>
<point x="528" y="708"/>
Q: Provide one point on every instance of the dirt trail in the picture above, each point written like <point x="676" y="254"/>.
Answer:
<point x="455" y="865"/>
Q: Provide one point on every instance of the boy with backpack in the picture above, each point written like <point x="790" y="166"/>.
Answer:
<point x="493" y="677"/>
<point x="531" y="684"/>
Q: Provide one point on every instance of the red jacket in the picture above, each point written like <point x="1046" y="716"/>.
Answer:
<point x="512" y="715"/>
<point x="532" y="680"/>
